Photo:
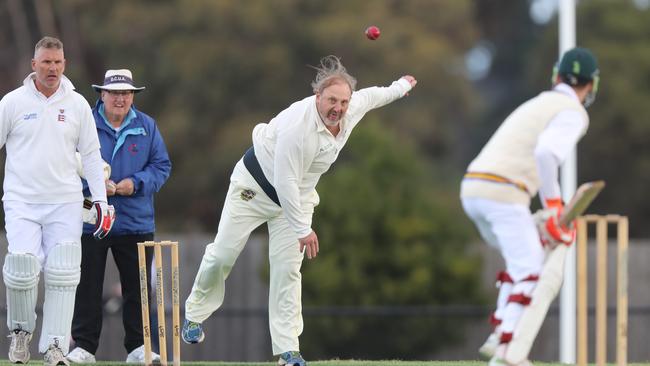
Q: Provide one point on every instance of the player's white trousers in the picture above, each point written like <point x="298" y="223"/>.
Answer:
<point x="511" y="229"/>
<point x="240" y="216"/>
<point x="51" y="234"/>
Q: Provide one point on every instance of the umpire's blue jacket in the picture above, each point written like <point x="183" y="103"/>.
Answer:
<point x="136" y="151"/>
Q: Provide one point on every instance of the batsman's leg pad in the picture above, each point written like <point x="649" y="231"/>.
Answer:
<point x="504" y="284"/>
<point x="519" y="298"/>
<point x="62" y="272"/>
<point x="533" y="316"/>
<point x="21" y="275"/>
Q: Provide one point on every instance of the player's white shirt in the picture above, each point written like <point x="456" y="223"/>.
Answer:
<point x="295" y="148"/>
<point x="41" y="136"/>
<point x="528" y="147"/>
<point x="555" y="143"/>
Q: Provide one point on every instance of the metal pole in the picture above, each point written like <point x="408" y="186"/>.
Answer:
<point x="568" y="181"/>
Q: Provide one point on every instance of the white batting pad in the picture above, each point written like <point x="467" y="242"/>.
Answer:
<point x="21" y="274"/>
<point x="550" y="281"/>
<point x="62" y="272"/>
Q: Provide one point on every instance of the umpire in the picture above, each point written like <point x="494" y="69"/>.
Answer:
<point x="133" y="146"/>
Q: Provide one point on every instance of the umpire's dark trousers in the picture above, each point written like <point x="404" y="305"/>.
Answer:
<point x="88" y="308"/>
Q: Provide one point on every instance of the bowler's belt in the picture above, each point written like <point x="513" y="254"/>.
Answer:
<point x="253" y="166"/>
<point x="496" y="178"/>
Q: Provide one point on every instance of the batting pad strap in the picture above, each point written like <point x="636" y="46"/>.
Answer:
<point x="519" y="299"/>
<point x="503" y="277"/>
<point x="530" y="278"/>
<point x="506" y="337"/>
<point x="494" y="320"/>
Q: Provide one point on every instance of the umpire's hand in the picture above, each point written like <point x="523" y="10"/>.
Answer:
<point x="125" y="187"/>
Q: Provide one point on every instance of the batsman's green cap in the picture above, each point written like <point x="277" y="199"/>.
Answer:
<point x="579" y="62"/>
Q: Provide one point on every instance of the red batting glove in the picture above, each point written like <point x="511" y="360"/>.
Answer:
<point x="105" y="215"/>
<point x="557" y="232"/>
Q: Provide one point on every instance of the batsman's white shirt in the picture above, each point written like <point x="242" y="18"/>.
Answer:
<point x="41" y="136"/>
<point x="294" y="149"/>
<point x="528" y="147"/>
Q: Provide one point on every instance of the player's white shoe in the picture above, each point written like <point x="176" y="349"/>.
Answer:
<point x="54" y="356"/>
<point x="487" y="350"/>
<point x="80" y="355"/>
<point x="499" y="358"/>
<point x="19" y="347"/>
<point x="137" y="356"/>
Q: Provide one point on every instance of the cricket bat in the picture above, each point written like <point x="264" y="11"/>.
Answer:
<point x="581" y="200"/>
<point x="550" y="280"/>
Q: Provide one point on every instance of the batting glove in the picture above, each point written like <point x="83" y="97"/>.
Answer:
<point x="552" y="233"/>
<point x="104" y="219"/>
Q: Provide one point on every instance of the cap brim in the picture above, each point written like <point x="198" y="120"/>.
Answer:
<point x="118" y="86"/>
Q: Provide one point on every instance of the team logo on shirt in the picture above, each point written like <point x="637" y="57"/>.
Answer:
<point x="61" y="117"/>
<point x="29" y="116"/>
<point x="133" y="149"/>
<point x="247" y="194"/>
<point x="325" y="148"/>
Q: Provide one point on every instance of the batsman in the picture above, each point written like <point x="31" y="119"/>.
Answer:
<point x="521" y="159"/>
<point x="42" y="124"/>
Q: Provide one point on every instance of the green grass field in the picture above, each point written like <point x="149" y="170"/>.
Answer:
<point x="328" y="363"/>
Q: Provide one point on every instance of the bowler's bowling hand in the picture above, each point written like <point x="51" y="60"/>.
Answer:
<point x="411" y="81"/>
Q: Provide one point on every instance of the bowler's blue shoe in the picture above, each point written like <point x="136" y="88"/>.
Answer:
<point x="192" y="332"/>
<point x="291" y="358"/>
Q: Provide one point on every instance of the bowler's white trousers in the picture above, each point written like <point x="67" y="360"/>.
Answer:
<point x="240" y="216"/>
<point x="511" y="229"/>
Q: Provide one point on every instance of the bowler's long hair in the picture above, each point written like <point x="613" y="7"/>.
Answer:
<point x="331" y="71"/>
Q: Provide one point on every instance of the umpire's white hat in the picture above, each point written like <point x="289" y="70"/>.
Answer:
<point x="118" y="80"/>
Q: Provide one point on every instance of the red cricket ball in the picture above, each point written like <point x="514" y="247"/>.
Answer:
<point x="372" y="32"/>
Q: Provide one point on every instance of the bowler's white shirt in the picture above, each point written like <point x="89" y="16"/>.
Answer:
<point x="41" y="136"/>
<point x="558" y="139"/>
<point x="295" y="148"/>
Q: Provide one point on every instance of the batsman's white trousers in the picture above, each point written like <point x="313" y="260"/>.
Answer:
<point x="240" y="216"/>
<point x="511" y="229"/>
<point x="37" y="229"/>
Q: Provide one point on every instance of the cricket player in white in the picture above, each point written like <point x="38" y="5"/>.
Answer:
<point x="275" y="183"/>
<point x="42" y="124"/>
<point x="522" y="157"/>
